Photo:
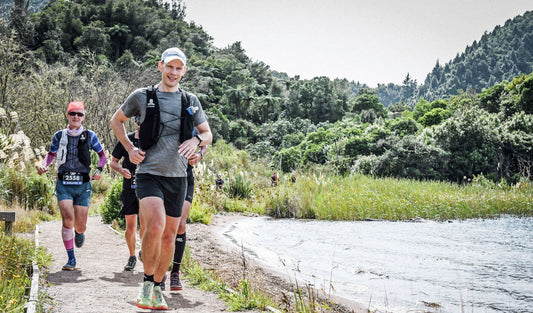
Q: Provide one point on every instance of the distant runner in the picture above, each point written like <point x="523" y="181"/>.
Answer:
<point x="128" y="198"/>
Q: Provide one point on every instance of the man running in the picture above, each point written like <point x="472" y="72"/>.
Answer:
<point x="72" y="148"/>
<point x="161" y="176"/>
<point x="128" y="198"/>
<point x="175" y="282"/>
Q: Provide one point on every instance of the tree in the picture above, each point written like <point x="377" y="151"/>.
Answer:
<point x="434" y="117"/>
<point x="20" y="22"/>
<point x="94" y="38"/>
<point x="119" y="36"/>
<point x="367" y="99"/>
<point x="238" y="99"/>
<point x="471" y="142"/>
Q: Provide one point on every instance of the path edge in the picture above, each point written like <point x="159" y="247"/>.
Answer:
<point x="31" y="305"/>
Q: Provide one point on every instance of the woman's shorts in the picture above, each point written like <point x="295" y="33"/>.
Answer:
<point x="79" y="194"/>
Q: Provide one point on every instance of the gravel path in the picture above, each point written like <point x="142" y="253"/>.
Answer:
<point x="99" y="284"/>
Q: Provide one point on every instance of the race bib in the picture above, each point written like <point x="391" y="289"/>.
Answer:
<point x="72" y="178"/>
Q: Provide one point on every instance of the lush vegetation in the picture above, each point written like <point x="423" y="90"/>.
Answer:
<point x="99" y="51"/>
<point x="16" y="257"/>
<point x="394" y="152"/>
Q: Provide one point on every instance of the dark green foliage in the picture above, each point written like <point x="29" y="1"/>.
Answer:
<point x="404" y="126"/>
<point x="504" y="53"/>
<point x="357" y="146"/>
<point x="238" y="188"/>
<point x="434" y="117"/>
<point x="471" y="142"/>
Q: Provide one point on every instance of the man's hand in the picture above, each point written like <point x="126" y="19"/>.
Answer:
<point x="195" y="159"/>
<point x="125" y="173"/>
<point x="136" y="155"/>
<point x="188" y="148"/>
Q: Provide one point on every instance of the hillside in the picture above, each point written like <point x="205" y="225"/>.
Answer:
<point x="99" y="51"/>
<point x="500" y="55"/>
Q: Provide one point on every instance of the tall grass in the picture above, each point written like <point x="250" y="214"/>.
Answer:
<point x="16" y="255"/>
<point x="26" y="189"/>
<point x="317" y="194"/>
<point x="363" y="197"/>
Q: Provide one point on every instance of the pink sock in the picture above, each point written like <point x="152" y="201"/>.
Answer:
<point x="68" y="237"/>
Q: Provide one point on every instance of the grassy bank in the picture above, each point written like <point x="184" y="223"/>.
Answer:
<point x="361" y="197"/>
<point x="16" y="256"/>
<point x="317" y="193"/>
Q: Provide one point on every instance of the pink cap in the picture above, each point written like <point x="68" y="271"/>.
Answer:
<point x="75" y="105"/>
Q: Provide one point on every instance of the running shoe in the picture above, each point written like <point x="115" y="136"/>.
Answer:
<point x="144" y="299"/>
<point x="131" y="263"/>
<point x="163" y="282"/>
<point x="158" y="301"/>
<point x="79" y="239"/>
<point x="175" y="283"/>
<point x="70" y="266"/>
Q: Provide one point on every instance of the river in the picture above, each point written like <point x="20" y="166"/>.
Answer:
<point x="456" y="266"/>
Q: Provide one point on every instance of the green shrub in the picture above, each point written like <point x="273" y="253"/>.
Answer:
<point x="29" y="190"/>
<point x="110" y="208"/>
<point x="15" y="260"/>
<point x="239" y="188"/>
<point x="39" y="193"/>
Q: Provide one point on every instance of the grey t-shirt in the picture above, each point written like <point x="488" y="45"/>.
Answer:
<point x="163" y="158"/>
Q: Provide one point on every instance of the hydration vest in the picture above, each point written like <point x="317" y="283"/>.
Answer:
<point x="84" y="155"/>
<point x="151" y="128"/>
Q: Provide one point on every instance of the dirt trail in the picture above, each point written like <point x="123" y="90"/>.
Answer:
<point x="100" y="284"/>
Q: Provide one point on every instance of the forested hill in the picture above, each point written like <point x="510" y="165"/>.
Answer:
<point x="500" y="55"/>
<point x="99" y="51"/>
<point x="137" y="30"/>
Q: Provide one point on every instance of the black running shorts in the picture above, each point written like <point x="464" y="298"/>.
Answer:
<point x="129" y="202"/>
<point x="171" y="189"/>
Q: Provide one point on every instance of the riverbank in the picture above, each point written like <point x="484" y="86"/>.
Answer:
<point x="209" y="247"/>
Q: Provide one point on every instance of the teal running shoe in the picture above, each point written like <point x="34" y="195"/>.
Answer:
<point x="158" y="302"/>
<point x="144" y="299"/>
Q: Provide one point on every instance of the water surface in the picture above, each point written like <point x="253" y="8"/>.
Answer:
<point x="459" y="266"/>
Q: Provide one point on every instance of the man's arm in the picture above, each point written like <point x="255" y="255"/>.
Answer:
<point x="198" y="156"/>
<point x="119" y="169"/>
<point x="117" y="124"/>
<point x="188" y="147"/>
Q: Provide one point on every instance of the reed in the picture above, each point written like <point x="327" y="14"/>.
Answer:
<point x="362" y="197"/>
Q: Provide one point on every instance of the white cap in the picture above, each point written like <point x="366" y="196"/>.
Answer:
<point x="173" y="54"/>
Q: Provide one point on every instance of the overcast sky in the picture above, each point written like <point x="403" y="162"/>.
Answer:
<point x="370" y="41"/>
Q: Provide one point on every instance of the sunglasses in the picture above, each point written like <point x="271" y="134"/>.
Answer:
<point x="80" y="114"/>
